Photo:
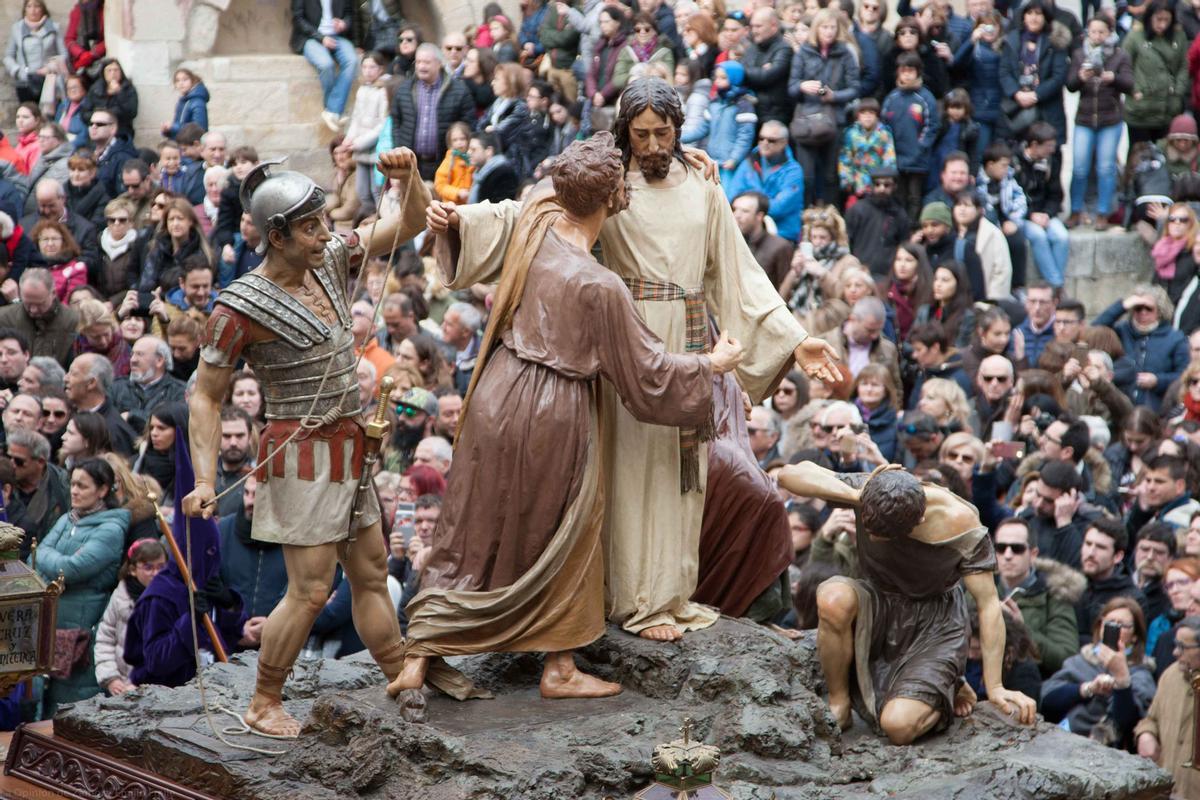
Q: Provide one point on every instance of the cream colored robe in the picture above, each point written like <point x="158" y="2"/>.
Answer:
<point x="680" y="231"/>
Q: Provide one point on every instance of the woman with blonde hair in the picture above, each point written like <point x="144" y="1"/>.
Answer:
<point x="946" y="402"/>
<point x="963" y="451"/>
<point x="805" y="286"/>
<point x="1189" y="391"/>
<point x="824" y="80"/>
<point x="99" y="332"/>
<point x="1174" y="266"/>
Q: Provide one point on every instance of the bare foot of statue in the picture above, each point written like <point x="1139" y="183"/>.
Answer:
<point x="840" y="708"/>
<point x="661" y="633"/>
<point x="562" y="679"/>
<point x="964" y="700"/>
<point x="411" y="677"/>
<point x="270" y="717"/>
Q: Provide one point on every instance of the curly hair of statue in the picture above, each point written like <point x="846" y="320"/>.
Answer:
<point x="892" y="504"/>
<point x="588" y="174"/>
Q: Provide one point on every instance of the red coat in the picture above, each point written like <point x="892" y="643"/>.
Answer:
<point x="81" y="56"/>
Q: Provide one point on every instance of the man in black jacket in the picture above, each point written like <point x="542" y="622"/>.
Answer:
<point x="495" y="179"/>
<point x="1102" y="557"/>
<point x="424" y="108"/>
<point x="1059" y="517"/>
<point x="768" y="61"/>
<point x="878" y="223"/>
<point x="321" y="31"/>
<point x="110" y="149"/>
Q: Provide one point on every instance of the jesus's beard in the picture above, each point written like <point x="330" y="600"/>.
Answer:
<point x="655" y="166"/>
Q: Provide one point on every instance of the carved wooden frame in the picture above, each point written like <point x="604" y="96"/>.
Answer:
<point x="81" y="773"/>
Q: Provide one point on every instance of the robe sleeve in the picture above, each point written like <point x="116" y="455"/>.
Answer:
<point x="654" y="385"/>
<point x="476" y="253"/>
<point x="745" y="303"/>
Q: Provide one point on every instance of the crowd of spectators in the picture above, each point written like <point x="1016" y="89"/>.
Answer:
<point x="898" y="180"/>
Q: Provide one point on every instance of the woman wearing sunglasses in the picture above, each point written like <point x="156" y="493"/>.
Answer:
<point x="1174" y="265"/>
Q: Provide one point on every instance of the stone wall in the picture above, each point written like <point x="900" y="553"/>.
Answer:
<point x="1104" y="267"/>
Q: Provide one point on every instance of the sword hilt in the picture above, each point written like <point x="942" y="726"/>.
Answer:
<point x="377" y="428"/>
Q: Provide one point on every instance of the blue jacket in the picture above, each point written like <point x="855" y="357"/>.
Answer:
<point x="88" y="553"/>
<point x="783" y="183"/>
<point x="982" y="68"/>
<point x="529" y="30"/>
<point x="1035" y="343"/>
<point x="912" y="116"/>
<point x="881" y="427"/>
<point x="1163" y="352"/>
<point x="253" y="569"/>
<point x="244" y="260"/>
<point x="77" y="131"/>
<point x="192" y="107"/>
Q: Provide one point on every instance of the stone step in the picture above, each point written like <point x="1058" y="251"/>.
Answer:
<point x="1104" y="267"/>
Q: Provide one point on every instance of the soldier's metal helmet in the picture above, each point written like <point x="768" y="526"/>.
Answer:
<point x="277" y="199"/>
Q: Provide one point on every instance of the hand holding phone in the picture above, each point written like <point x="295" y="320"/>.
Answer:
<point x="1007" y="449"/>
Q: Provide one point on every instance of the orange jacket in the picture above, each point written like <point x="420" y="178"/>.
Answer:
<point x="454" y="174"/>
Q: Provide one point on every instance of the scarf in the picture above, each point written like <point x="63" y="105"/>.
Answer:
<point x="905" y="312"/>
<point x="1165" y="251"/>
<point x="643" y="51"/>
<point x="115" y="248"/>
<point x="863" y="410"/>
<point x="134" y="587"/>
<point x="77" y="514"/>
<point x="1192" y="405"/>
<point x="161" y="467"/>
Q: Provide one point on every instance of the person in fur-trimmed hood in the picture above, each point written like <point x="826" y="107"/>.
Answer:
<point x="1039" y="592"/>
<point x="1095" y="475"/>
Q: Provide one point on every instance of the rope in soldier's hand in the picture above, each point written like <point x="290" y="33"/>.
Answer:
<point x="309" y="422"/>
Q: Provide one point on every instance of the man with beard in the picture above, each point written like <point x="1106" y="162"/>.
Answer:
<point x="235" y="460"/>
<point x="414" y="410"/>
<point x="148" y="384"/>
<point x="679" y="250"/>
<point x="878" y="224"/>
<point x="773" y="253"/>
<point x="1103" y="563"/>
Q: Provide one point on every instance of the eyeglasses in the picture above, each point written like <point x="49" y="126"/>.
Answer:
<point x="160" y="205"/>
<point x="753" y="431"/>
<point x="994" y="378"/>
<point x="116" y="220"/>
<point x="454" y="47"/>
<point x="1142" y="309"/>
<point x="1181" y="646"/>
<point x="826" y="428"/>
<point x="1017" y="549"/>
<point x="785" y="390"/>
<point x="18" y="462"/>
<point x="49" y="239"/>
<point x="1181" y="584"/>
<point x="965" y="458"/>
<point x="57" y="414"/>
<point x="770" y="139"/>
<point x="408" y="39"/>
<point x="100" y="124"/>
<point x="1193" y="381"/>
<point x="1125" y="626"/>
<point x="151" y="567"/>
<point x="1179" y="218"/>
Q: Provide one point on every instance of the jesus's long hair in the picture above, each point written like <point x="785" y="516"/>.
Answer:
<point x="647" y="93"/>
